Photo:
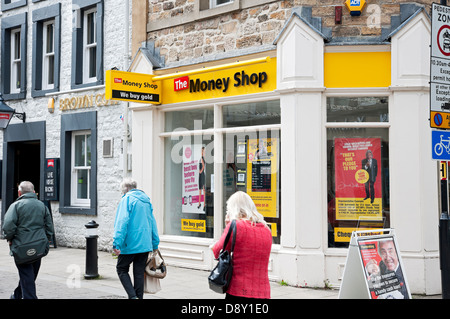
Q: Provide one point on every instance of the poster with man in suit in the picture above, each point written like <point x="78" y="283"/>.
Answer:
<point x="357" y="178"/>
<point x="383" y="269"/>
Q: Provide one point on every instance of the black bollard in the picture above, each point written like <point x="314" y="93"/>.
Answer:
<point x="91" y="250"/>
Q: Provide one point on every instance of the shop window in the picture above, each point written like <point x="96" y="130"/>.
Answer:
<point x="78" y="178"/>
<point x="87" y="43"/>
<point x="189" y="168"/>
<point x="189" y="188"/>
<point x="252" y="157"/>
<point x="357" y="166"/>
<point x="46" y="50"/>
<point x="13" y="57"/>
<point x="81" y="168"/>
<point x="250" y="145"/>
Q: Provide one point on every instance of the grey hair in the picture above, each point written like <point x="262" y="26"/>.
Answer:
<point x="26" y="187"/>
<point x="127" y="185"/>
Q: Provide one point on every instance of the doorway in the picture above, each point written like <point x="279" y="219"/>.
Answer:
<point x="27" y="160"/>
<point x="23" y="159"/>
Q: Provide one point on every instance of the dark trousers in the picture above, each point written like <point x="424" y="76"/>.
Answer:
<point x="27" y="280"/>
<point x="123" y="267"/>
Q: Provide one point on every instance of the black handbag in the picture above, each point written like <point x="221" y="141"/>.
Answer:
<point x="220" y="277"/>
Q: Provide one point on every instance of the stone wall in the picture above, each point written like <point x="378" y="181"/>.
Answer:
<point x="257" y="26"/>
<point x="69" y="228"/>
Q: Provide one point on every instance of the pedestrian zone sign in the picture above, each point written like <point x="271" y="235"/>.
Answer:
<point x="440" y="67"/>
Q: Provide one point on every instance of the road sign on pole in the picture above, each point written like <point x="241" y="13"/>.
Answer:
<point x="440" y="145"/>
<point x="440" y="67"/>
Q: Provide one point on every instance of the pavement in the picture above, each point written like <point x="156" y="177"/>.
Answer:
<point x="61" y="276"/>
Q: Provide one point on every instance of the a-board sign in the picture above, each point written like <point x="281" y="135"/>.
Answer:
<point x="374" y="268"/>
<point x="132" y="87"/>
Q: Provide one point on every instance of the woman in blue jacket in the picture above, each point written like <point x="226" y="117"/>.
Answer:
<point x="135" y="235"/>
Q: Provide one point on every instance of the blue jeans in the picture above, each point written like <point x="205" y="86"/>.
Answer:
<point x="27" y="277"/>
<point x="123" y="266"/>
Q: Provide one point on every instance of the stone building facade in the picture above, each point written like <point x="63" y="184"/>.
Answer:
<point x="330" y="75"/>
<point x="70" y="105"/>
<point x="182" y="32"/>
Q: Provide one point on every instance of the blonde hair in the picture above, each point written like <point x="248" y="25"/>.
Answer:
<point x="241" y="206"/>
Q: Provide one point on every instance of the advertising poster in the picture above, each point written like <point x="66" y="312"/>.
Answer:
<point x="358" y="178"/>
<point x="194" y="179"/>
<point x="383" y="269"/>
<point x="262" y="167"/>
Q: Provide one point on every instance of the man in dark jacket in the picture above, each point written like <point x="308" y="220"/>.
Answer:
<point x="26" y="220"/>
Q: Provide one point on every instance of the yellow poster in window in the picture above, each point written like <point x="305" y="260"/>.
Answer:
<point x="193" y="225"/>
<point x="262" y="174"/>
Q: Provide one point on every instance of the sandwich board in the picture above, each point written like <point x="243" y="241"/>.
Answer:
<point x="374" y="268"/>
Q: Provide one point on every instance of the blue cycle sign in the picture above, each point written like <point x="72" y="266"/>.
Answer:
<point x="440" y="144"/>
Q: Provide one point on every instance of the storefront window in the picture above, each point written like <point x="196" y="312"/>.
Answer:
<point x="357" y="167"/>
<point x="250" y="134"/>
<point x="196" y="119"/>
<point x="253" y="166"/>
<point x="252" y="157"/>
<point x="189" y="192"/>
<point x="251" y="114"/>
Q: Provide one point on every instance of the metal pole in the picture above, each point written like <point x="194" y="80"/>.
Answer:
<point x="444" y="2"/>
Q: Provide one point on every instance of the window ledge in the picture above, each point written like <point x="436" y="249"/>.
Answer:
<point x="78" y="210"/>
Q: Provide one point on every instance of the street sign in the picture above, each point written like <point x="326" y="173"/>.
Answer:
<point x="440" y="145"/>
<point x="440" y="67"/>
<point x="132" y="87"/>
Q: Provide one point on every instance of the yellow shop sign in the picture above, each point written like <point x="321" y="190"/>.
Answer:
<point x="239" y="78"/>
<point x="132" y="87"/>
<point x="246" y="77"/>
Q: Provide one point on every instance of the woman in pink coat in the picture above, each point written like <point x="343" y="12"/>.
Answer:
<point x="251" y="251"/>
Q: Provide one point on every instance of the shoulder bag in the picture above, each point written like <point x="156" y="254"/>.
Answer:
<point x="31" y="251"/>
<point x="220" y="277"/>
<point x="155" y="266"/>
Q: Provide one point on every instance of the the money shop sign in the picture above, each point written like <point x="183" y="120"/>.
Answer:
<point x="132" y="87"/>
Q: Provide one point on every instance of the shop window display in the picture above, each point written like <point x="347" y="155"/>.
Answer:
<point x="357" y="167"/>
<point x="250" y="135"/>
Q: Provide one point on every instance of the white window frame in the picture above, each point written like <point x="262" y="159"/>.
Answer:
<point x="15" y="61"/>
<point x="87" y="47"/>
<point x="74" y="200"/>
<point x="47" y="56"/>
